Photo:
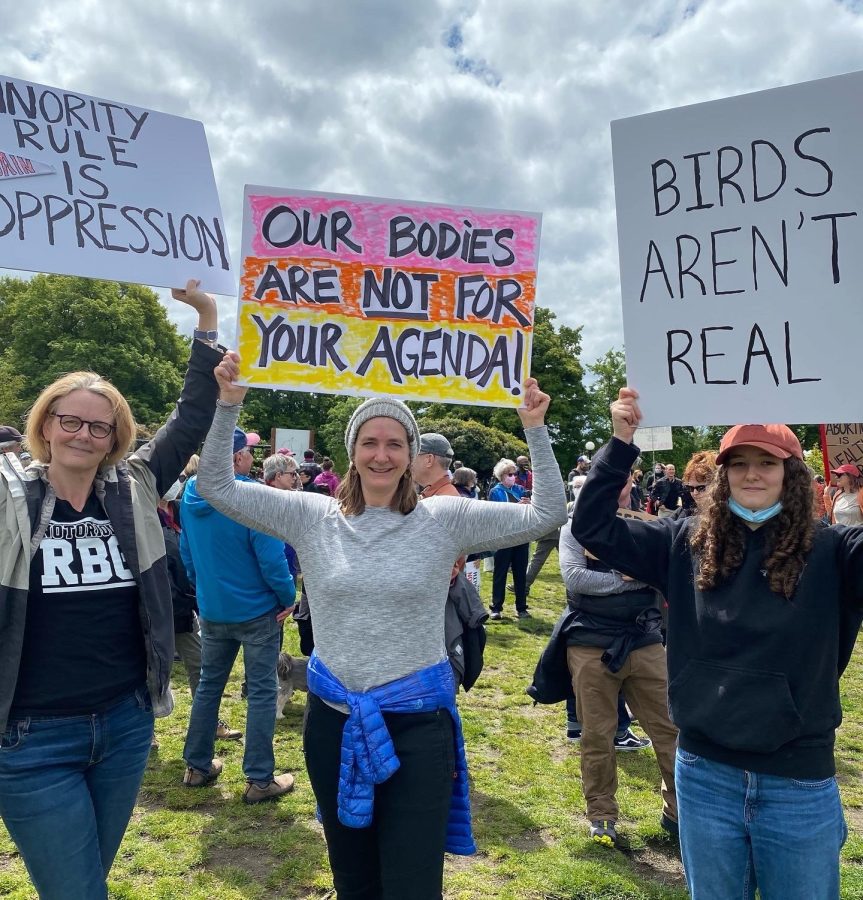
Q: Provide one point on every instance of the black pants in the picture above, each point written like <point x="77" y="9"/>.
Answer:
<point x="400" y="855"/>
<point x="515" y="557"/>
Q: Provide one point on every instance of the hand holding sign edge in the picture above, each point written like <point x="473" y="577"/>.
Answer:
<point x="535" y="405"/>
<point x="625" y="414"/>
<point x="227" y="372"/>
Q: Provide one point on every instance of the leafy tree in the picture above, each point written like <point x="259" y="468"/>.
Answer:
<point x="475" y="444"/>
<point x="610" y="376"/>
<point x="332" y="432"/>
<point x="265" y="409"/>
<point x="556" y="364"/>
<point x="55" y="324"/>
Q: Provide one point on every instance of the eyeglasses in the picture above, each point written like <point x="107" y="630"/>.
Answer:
<point x="695" y="488"/>
<point x="73" y="424"/>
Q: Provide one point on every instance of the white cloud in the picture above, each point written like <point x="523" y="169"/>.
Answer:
<point x="500" y="103"/>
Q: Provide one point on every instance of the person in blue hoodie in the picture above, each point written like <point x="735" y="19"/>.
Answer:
<point x="244" y="590"/>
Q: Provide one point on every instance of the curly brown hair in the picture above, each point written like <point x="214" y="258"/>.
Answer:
<point x="701" y="466"/>
<point x="718" y="538"/>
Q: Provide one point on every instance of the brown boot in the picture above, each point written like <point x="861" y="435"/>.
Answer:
<point x="280" y="784"/>
<point x="224" y="732"/>
<point x="194" y="778"/>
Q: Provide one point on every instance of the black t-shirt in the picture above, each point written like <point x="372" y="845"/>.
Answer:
<point x="83" y="642"/>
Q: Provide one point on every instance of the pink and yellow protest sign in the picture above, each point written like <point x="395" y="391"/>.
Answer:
<point x="358" y="295"/>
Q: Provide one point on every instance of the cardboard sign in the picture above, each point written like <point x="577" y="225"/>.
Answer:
<point x="841" y="444"/>
<point x="107" y="190"/>
<point x="739" y="228"/>
<point x="358" y="295"/>
<point x="648" y="440"/>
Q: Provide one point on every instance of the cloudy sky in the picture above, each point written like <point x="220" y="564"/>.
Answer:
<point x="500" y="103"/>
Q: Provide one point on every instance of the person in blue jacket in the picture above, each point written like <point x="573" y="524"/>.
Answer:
<point x="244" y="590"/>
<point x="507" y="490"/>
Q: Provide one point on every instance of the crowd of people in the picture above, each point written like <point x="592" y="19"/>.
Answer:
<point x="718" y="610"/>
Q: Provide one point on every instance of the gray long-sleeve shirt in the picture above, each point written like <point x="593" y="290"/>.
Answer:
<point x="579" y="579"/>
<point x="377" y="582"/>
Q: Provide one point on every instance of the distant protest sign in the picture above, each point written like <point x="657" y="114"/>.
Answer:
<point x="358" y="295"/>
<point x="652" y="439"/>
<point x="740" y="224"/>
<point x="107" y="190"/>
<point x="842" y="444"/>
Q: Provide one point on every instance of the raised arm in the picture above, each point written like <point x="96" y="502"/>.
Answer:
<point x="172" y="445"/>
<point x="491" y="526"/>
<point x="287" y="515"/>
<point x="578" y="578"/>
<point x="635" y="547"/>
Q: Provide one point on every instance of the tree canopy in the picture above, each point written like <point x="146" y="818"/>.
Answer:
<point x="53" y="324"/>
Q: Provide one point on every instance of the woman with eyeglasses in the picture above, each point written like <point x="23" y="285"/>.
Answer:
<point x="764" y="606"/>
<point x="697" y="477"/>
<point x="86" y="621"/>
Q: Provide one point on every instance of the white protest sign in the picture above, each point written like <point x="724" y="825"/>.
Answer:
<point x="739" y="228"/>
<point x="297" y="439"/>
<point x="122" y="193"/>
<point x="649" y="440"/>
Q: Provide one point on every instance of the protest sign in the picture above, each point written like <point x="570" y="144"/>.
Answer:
<point x="359" y="295"/>
<point x="739" y="223"/>
<point x="107" y="190"/>
<point x="297" y="439"/>
<point x="648" y="440"/>
<point x="842" y="444"/>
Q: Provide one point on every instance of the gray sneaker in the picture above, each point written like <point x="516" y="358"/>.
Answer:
<point x="494" y="614"/>
<point x="280" y="784"/>
<point x="602" y="831"/>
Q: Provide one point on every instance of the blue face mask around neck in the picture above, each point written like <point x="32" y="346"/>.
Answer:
<point x="754" y="516"/>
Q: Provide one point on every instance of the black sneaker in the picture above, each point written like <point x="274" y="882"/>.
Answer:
<point x="602" y="831"/>
<point x="494" y="614"/>
<point x="573" y="734"/>
<point x="629" y="741"/>
<point x="523" y="614"/>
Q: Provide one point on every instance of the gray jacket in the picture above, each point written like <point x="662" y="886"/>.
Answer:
<point x="129" y="493"/>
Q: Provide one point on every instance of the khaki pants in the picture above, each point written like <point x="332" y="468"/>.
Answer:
<point x="644" y="680"/>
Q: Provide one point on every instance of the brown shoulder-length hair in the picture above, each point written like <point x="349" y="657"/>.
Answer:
<point x="353" y="503"/>
<point x="47" y="402"/>
<point x="718" y="539"/>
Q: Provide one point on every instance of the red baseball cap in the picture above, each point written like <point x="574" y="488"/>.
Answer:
<point x="847" y="469"/>
<point x="777" y="440"/>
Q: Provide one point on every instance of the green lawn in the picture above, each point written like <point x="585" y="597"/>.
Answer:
<point x="527" y="801"/>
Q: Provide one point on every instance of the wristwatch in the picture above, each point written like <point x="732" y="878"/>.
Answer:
<point x="208" y="337"/>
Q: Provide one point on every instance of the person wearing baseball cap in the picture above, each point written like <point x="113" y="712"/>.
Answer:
<point x="845" y="507"/>
<point x="378" y="564"/>
<point x="764" y="606"/>
<point x="10" y="440"/>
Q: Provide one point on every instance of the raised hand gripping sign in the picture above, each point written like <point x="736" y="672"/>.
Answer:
<point x="358" y="295"/>
<point x="740" y="223"/>
<point x="107" y="190"/>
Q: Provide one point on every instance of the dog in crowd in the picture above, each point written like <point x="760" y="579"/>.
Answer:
<point x="291" y="674"/>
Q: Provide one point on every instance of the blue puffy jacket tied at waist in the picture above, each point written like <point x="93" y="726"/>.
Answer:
<point x="368" y="756"/>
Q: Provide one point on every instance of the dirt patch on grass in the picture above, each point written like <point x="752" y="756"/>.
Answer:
<point x="663" y="866"/>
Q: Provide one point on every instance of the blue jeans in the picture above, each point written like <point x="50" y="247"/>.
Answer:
<point x="220" y="644"/>
<point x="741" y="830"/>
<point x="67" y="790"/>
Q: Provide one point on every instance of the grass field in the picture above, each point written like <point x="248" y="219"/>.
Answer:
<point x="526" y="794"/>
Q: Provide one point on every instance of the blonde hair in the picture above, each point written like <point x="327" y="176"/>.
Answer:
<point x="46" y="404"/>
<point x="192" y="465"/>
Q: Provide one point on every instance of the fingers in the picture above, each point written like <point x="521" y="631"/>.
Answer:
<point x="192" y="285"/>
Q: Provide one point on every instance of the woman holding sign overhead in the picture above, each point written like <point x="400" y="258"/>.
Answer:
<point x="764" y="605"/>
<point x="383" y="740"/>
<point x="86" y="623"/>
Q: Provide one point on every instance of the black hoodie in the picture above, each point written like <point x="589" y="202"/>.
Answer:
<point x="753" y="678"/>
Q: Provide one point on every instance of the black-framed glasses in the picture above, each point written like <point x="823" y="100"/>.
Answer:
<point x="73" y="424"/>
<point x="695" y="488"/>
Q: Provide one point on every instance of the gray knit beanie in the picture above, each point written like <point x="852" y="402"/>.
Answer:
<point x="383" y="406"/>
